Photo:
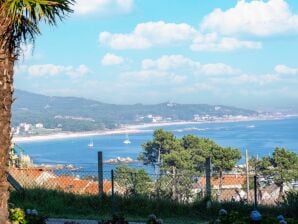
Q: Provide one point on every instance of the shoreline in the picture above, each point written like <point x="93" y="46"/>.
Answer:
<point x="133" y="129"/>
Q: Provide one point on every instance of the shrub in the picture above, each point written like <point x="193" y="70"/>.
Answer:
<point x="17" y="216"/>
<point x="290" y="203"/>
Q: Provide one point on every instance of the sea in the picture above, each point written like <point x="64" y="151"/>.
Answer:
<point x="258" y="137"/>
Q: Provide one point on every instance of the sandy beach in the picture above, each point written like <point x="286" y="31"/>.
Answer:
<point x="132" y="129"/>
<point x="129" y="129"/>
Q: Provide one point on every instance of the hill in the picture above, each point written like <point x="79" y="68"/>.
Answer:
<point x="79" y="114"/>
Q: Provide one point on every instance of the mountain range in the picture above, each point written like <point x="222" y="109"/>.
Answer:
<point x="79" y="114"/>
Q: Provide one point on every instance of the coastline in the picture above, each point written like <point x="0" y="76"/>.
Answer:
<point x="133" y="129"/>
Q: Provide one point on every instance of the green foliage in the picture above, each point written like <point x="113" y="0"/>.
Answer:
<point x="259" y="165"/>
<point x="285" y="165"/>
<point x="134" y="181"/>
<point x="282" y="166"/>
<point x="25" y="16"/>
<point x="162" y="143"/>
<point x="199" y="148"/>
<point x="290" y="203"/>
<point x="224" y="159"/>
<point x="182" y="160"/>
<point x="67" y="205"/>
<point x="17" y="216"/>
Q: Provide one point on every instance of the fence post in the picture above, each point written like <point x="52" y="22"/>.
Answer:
<point x="247" y="176"/>
<point x="113" y="192"/>
<point x="100" y="173"/>
<point x="208" y="177"/>
<point x="255" y="191"/>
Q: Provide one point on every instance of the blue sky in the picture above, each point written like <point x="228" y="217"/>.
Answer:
<point x="240" y="53"/>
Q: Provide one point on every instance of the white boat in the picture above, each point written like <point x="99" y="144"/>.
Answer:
<point x="90" y="145"/>
<point x="126" y="141"/>
<point x="251" y="126"/>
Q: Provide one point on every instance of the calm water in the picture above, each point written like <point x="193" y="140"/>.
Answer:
<point x="259" y="137"/>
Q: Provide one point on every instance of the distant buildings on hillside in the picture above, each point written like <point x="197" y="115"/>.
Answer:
<point x="26" y="129"/>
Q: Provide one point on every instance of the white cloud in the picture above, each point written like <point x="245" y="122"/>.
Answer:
<point x="179" y="62"/>
<point x="52" y="70"/>
<point x="103" y="7"/>
<point x="146" y="35"/>
<point x="213" y="42"/>
<point x="262" y="79"/>
<point x="153" y="77"/>
<point x="111" y="59"/>
<point x="167" y="62"/>
<point x="261" y="18"/>
<point x="152" y="34"/>
<point x="283" y="69"/>
<point x="217" y="69"/>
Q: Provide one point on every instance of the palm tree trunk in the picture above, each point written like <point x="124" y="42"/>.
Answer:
<point x="6" y="90"/>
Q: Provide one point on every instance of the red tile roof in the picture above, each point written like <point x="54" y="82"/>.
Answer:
<point x="76" y="185"/>
<point x="228" y="181"/>
<point x="31" y="177"/>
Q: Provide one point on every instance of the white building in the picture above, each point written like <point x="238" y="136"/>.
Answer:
<point x="39" y="125"/>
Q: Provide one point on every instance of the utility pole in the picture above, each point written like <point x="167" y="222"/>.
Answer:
<point x="247" y="175"/>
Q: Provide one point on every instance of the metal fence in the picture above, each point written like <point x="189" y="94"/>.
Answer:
<point x="182" y="186"/>
<point x="239" y="185"/>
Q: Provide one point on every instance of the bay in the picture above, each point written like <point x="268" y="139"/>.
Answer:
<point x="259" y="137"/>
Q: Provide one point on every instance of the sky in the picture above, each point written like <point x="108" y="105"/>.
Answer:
<point x="239" y="53"/>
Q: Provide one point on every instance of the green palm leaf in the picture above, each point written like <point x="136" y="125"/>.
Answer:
<point x="21" y="18"/>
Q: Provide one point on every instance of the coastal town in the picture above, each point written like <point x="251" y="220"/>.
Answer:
<point x="39" y="129"/>
<point x="148" y="112"/>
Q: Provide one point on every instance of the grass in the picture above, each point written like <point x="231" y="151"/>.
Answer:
<point x="57" y="204"/>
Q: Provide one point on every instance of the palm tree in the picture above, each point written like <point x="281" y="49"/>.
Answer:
<point x="19" y="23"/>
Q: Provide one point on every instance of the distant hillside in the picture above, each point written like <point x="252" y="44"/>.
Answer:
<point x="78" y="114"/>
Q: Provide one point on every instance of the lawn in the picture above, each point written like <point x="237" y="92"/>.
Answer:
<point x="57" y="204"/>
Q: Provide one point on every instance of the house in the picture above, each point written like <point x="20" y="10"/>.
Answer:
<point x="31" y="177"/>
<point x="230" y="181"/>
<point x="231" y="189"/>
<point x="45" y="178"/>
<point x="78" y="186"/>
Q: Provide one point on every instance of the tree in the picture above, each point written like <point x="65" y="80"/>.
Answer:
<point x="224" y="159"/>
<point x="200" y="149"/>
<point x="19" y="23"/>
<point x="283" y="167"/>
<point x="134" y="181"/>
<point x="162" y="143"/>
<point x="259" y="166"/>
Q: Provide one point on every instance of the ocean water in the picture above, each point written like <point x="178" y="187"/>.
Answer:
<point x="259" y="137"/>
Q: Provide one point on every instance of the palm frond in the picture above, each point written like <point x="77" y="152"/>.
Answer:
<point x="23" y="18"/>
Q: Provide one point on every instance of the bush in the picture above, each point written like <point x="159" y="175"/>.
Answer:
<point x="290" y="204"/>
<point x="17" y="216"/>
